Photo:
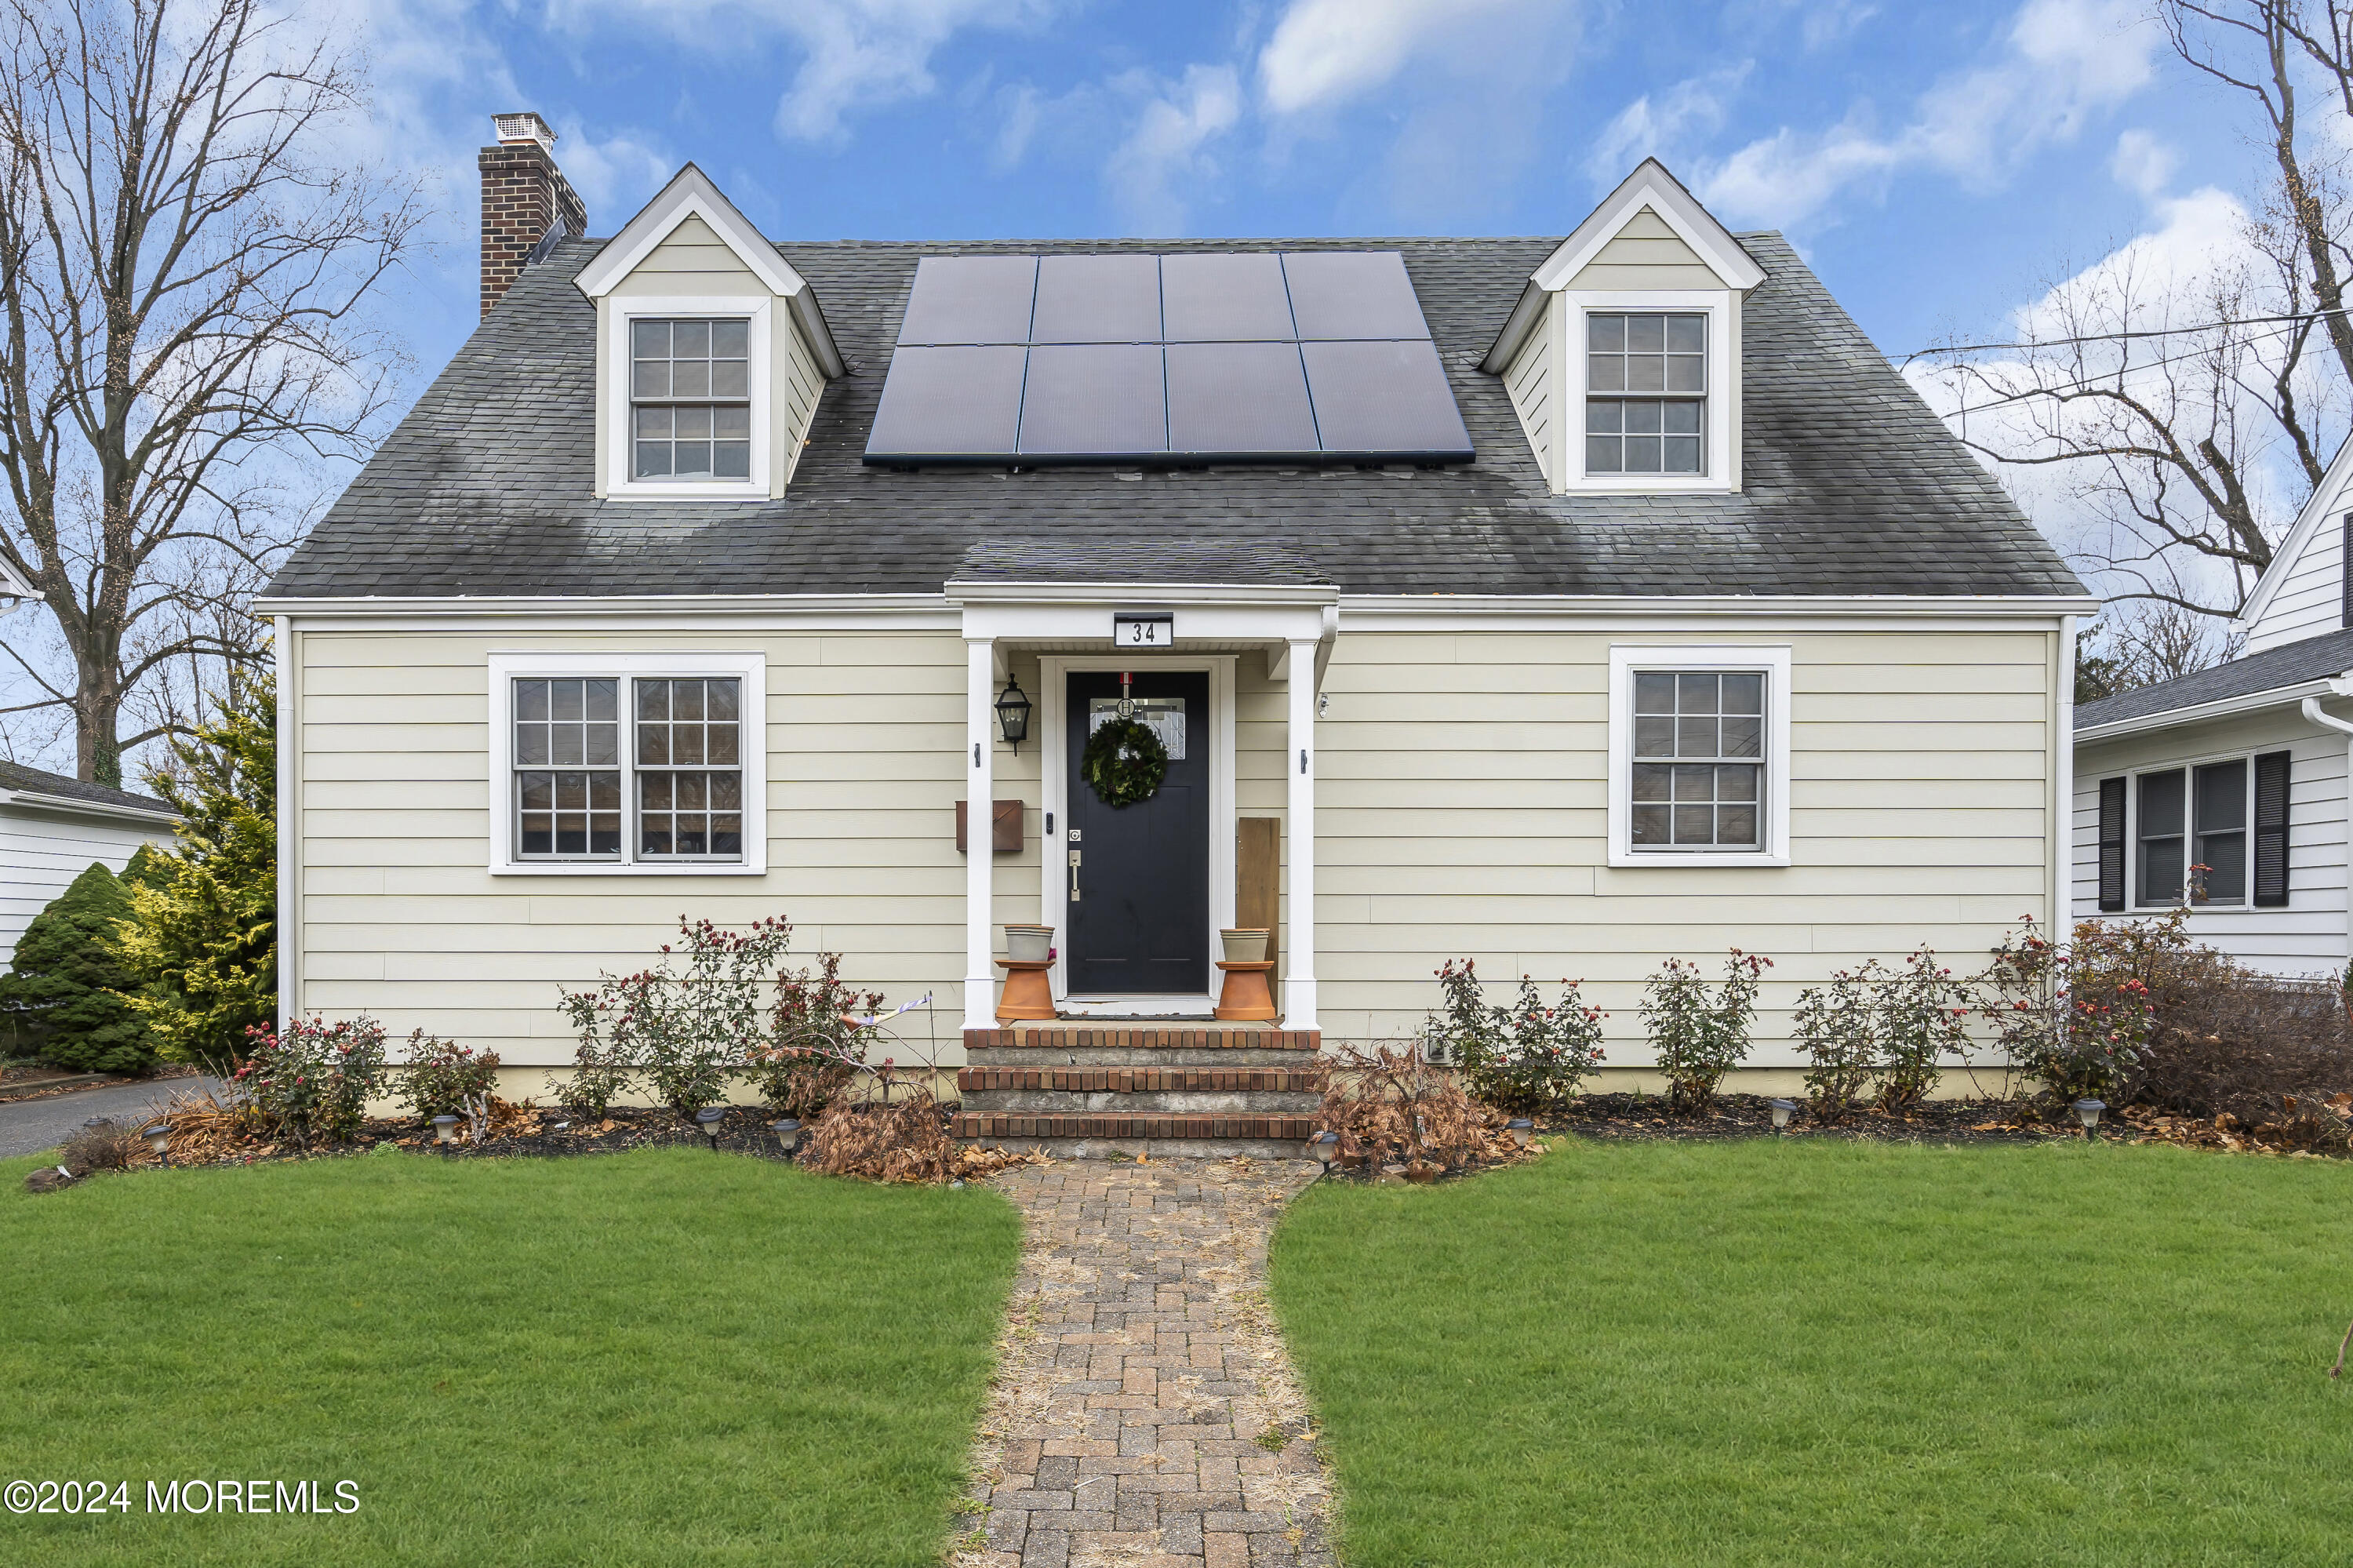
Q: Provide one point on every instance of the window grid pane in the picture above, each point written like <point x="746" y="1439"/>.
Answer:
<point x="2222" y="806"/>
<point x="689" y="783"/>
<point x="708" y="361"/>
<point x="1698" y="775"/>
<point x="1652" y="357"/>
<point x="568" y="741"/>
<point x="2163" y="862"/>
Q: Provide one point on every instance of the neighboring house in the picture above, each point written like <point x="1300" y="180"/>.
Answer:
<point x="53" y="827"/>
<point x="1567" y="603"/>
<point x="2225" y="788"/>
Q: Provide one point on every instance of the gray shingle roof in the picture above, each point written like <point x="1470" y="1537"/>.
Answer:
<point x="1025" y="560"/>
<point x="1851" y="486"/>
<point x="34" y="781"/>
<point x="2290" y="665"/>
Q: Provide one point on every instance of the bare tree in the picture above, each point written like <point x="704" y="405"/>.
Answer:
<point x="184" y="261"/>
<point x="2185" y="420"/>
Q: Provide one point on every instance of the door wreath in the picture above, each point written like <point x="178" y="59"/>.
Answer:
<point x="1123" y="762"/>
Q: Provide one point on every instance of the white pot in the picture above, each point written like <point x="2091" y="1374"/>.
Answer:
<point x="1245" y="946"/>
<point x="1028" y="944"/>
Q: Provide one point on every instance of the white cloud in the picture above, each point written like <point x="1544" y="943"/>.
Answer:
<point x="1167" y="152"/>
<point x="2143" y="163"/>
<point x="614" y="177"/>
<point x="855" y="54"/>
<point x="1692" y="109"/>
<point x="2061" y="62"/>
<point x="1325" y="52"/>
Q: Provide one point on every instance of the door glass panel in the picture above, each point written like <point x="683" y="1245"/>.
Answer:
<point x="1164" y="717"/>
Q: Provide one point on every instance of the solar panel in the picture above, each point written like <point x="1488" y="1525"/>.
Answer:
<point x="948" y="402"/>
<point x="1097" y="299"/>
<point x="1201" y="357"/>
<point x="1237" y="399"/>
<point x="1225" y="298"/>
<point x="970" y="299"/>
<point x="1353" y="294"/>
<point x="1385" y="400"/>
<point x="1095" y="400"/>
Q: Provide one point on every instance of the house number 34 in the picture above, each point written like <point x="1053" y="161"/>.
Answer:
<point x="1144" y="631"/>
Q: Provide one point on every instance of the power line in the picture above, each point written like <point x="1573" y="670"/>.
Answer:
<point x="2126" y="336"/>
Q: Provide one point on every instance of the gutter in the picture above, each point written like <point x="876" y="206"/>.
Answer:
<point x="166" y="818"/>
<point x="2225" y="708"/>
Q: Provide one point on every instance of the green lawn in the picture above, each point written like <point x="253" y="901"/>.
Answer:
<point x="671" y="1356"/>
<point x="1829" y="1353"/>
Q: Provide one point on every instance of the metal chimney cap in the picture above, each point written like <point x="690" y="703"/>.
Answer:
<point x="514" y="130"/>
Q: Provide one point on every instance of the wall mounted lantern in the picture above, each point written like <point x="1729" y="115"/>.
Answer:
<point x="1013" y="714"/>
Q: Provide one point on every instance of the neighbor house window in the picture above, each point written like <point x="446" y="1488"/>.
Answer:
<point x="1699" y="763"/>
<point x="611" y="766"/>
<point x="689" y="390"/>
<point x="2208" y="833"/>
<point x="1646" y="394"/>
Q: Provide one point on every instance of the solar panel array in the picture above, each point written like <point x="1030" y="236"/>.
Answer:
<point x="1247" y="356"/>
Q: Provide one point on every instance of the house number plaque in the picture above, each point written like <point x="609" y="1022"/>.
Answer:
<point x="1142" y="630"/>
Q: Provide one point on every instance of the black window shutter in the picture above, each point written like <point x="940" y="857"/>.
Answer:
<point x="2271" y="828"/>
<point x="2112" y="844"/>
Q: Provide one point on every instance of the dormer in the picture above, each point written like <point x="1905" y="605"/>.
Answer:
<point x="710" y="354"/>
<point x="1623" y="353"/>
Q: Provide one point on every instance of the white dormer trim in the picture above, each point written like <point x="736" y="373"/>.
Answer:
<point x="1651" y="186"/>
<point x="690" y="194"/>
<point x="2327" y="501"/>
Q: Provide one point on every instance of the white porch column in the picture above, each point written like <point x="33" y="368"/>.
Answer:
<point x="979" y="834"/>
<point x="1299" y="936"/>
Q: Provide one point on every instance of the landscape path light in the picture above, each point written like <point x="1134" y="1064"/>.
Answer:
<point x="159" y="1138"/>
<point x="444" y="1129"/>
<point x="1324" y="1148"/>
<point x="1521" y="1130"/>
<point x="1782" y="1111"/>
<point x="788" y="1132"/>
<point x="2088" y="1113"/>
<point x="708" y="1119"/>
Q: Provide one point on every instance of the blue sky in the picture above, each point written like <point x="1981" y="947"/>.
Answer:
<point x="1936" y="163"/>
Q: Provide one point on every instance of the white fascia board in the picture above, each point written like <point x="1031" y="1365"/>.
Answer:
<point x="1526" y="316"/>
<point x="2226" y="707"/>
<point x="79" y="806"/>
<point x="1123" y="593"/>
<point x="2326" y="497"/>
<point x="1472" y="612"/>
<point x="732" y="612"/>
<point x="692" y="193"/>
<point x="13" y="586"/>
<point x="1652" y="187"/>
<point x="1090" y="619"/>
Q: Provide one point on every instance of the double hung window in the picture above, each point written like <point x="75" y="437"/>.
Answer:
<point x="1699" y="756"/>
<point x="691" y="401"/>
<point x="1645" y="393"/>
<point x="631" y="769"/>
<point x="2213" y="833"/>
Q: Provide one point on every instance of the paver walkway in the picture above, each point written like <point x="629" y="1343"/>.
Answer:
<point x="1145" y="1410"/>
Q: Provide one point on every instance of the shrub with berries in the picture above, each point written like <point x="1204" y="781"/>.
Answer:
<point x="310" y="1083"/>
<point x="1527" y="1057"/>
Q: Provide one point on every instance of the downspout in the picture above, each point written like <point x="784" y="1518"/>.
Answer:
<point x="2313" y="713"/>
<point x="2062" y="847"/>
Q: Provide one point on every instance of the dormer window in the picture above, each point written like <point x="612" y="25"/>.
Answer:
<point x="1659" y="364"/>
<point x="689" y="388"/>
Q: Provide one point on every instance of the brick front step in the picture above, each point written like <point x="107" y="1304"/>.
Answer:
<point x="1139" y="1080"/>
<point x="1280" y="1128"/>
<point x="1137" y="1037"/>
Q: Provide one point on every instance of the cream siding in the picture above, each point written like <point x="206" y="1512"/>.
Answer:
<point x="2309" y="935"/>
<point x="42" y="851"/>
<point x="694" y="261"/>
<point x="1462" y="812"/>
<point x="1534" y="395"/>
<point x="1646" y="253"/>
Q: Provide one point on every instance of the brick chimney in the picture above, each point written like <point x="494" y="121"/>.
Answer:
<point x="524" y="195"/>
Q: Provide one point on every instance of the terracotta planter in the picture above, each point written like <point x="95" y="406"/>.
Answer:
<point x="1244" y="946"/>
<point x="1029" y="944"/>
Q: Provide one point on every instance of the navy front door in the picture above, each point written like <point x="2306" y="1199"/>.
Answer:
<point x="1139" y="909"/>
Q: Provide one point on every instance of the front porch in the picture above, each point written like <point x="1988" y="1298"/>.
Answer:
<point x="1231" y="653"/>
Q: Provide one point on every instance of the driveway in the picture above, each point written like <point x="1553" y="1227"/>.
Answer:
<point x="28" y="1127"/>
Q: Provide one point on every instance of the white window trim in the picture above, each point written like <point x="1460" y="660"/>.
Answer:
<point x="1722" y="391"/>
<point x="506" y="668"/>
<point x="620" y="311"/>
<point x="2132" y="778"/>
<point x="1774" y="663"/>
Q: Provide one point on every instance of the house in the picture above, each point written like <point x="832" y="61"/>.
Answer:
<point x="2225" y="789"/>
<point x="53" y="827"/>
<point x="1569" y="603"/>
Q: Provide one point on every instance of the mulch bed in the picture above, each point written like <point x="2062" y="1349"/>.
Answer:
<point x="1751" y="1116"/>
